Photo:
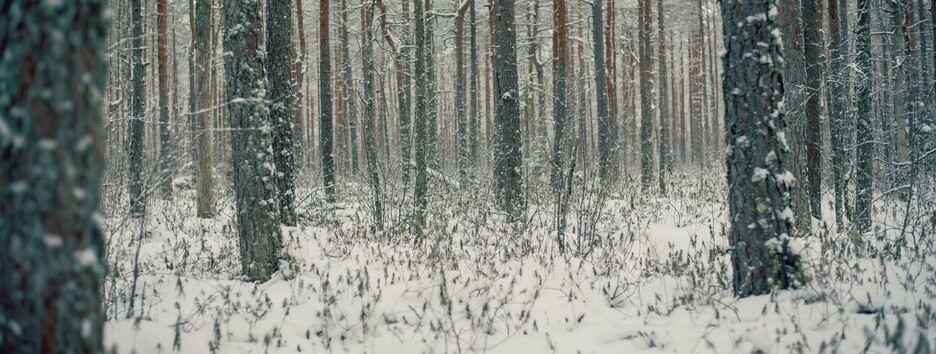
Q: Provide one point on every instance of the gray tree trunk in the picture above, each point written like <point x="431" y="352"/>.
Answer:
<point x="864" y="134"/>
<point x="162" y="58"/>
<point x="350" y="113"/>
<point x="560" y="101"/>
<point x="204" y="184"/>
<point x="759" y="179"/>
<point x="137" y="114"/>
<point x="326" y="136"/>
<point x="794" y="70"/>
<point x="839" y="98"/>
<point x="473" y="85"/>
<point x="601" y="91"/>
<point x="665" y="156"/>
<point x="253" y="171"/>
<point x="460" y="90"/>
<point x="646" y="100"/>
<point x="370" y="113"/>
<point x="813" y="48"/>
<point x="51" y="239"/>
<point x="282" y="99"/>
<point x="422" y="115"/>
<point x="508" y="156"/>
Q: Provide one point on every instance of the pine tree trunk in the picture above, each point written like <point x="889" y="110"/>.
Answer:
<point x="162" y="59"/>
<point x="601" y="91"/>
<point x="419" y="120"/>
<point x="813" y="48"/>
<point x="52" y="253"/>
<point x="864" y="134"/>
<point x="137" y="115"/>
<point x="508" y="157"/>
<point x="252" y="138"/>
<point x="758" y="176"/>
<point x="204" y="184"/>
<point x="838" y="102"/>
<point x="646" y="100"/>
<point x="282" y="104"/>
<point x="794" y="70"/>
<point x="326" y="135"/>
<point x="560" y="104"/>
<point x="473" y="115"/>
<point x="370" y="113"/>
<point x="460" y="108"/>
<point x="350" y="113"/>
<point x="665" y="157"/>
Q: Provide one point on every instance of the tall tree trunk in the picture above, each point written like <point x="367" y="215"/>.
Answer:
<point x="370" y="113"/>
<point x="473" y="115"/>
<point x="282" y="102"/>
<point x="794" y="71"/>
<point x="204" y="184"/>
<point x="304" y="142"/>
<point x="646" y="100"/>
<point x="560" y="104"/>
<point x="350" y="113"/>
<point x="665" y="157"/>
<point x="162" y="58"/>
<point x="52" y="253"/>
<point x="419" y="120"/>
<point x="253" y="172"/>
<point x="601" y="91"/>
<point x="137" y="115"/>
<point x="405" y="82"/>
<point x="838" y="94"/>
<point x="460" y="109"/>
<point x="508" y="156"/>
<point x="432" y="94"/>
<point x="813" y="48"/>
<point x="864" y="134"/>
<point x="325" y="104"/>
<point x="758" y="177"/>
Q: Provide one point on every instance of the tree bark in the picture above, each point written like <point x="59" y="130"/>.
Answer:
<point x="665" y="157"/>
<point x="370" y="113"/>
<point x="420" y="142"/>
<point x="864" y="134"/>
<point x="794" y="71"/>
<point x="282" y="104"/>
<point x="601" y="91"/>
<point x="204" y="184"/>
<point x="137" y="115"/>
<point x="646" y="100"/>
<point x="326" y="135"/>
<point x="51" y="232"/>
<point x="560" y="103"/>
<point x="508" y="157"/>
<point x="758" y="177"/>
<point x="253" y="172"/>
<point x="813" y="48"/>
<point x="839" y="94"/>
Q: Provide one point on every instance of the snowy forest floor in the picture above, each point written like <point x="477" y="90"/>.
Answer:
<point x="642" y="272"/>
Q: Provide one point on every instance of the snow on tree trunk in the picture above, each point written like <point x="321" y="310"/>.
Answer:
<point x="282" y="100"/>
<point x="508" y="157"/>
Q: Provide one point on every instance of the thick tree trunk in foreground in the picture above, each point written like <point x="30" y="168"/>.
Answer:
<point x="794" y="71"/>
<point x="51" y="240"/>
<point x="419" y="120"/>
<point x="137" y="115"/>
<point x="864" y="134"/>
<point x="255" y="196"/>
<point x="282" y="104"/>
<point x="759" y="180"/>
<point x="508" y="157"/>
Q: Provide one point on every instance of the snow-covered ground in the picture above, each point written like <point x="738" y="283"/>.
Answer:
<point x="642" y="273"/>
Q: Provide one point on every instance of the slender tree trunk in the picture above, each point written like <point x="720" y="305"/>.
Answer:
<point x="137" y="115"/>
<point x="813" y="48"/>
<point x="864" y="136"/>
<point x="665" y="157"/>
<point x="253" y="172"/>
<point x="52" y="258"/>
<point x="601" y="91"/>
<point x="838" y="102"/>
<point x="759" y="180"/>
<point x="325" y="108"/>
<point x="473" y="115"/>
<point x="350" y="113"/>
<point x="560" y="103"/>
<point x="162" y="58"/>
<point x="508" y="156"/>
<point x="304" y="142"/>
<point x="460" y="109"/>
<point x="794" y="70"/>
<point x="421" y="192"/>
<point x="370" y="134"/>
<point x="646" y="100"/>
<point x="204" y="184"/>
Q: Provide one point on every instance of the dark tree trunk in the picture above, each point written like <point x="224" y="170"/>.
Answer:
<point x="51" y="239"/>
<point x="560" y="103"/>
<point x="204" y="184"/>
<point x="601" y="91"/>
<point x="758" y="177"/>
<point x="646" y="100"/>
<point x="813" y="48"/>
<point x="839" y="94"/>
<point x="460" y="109"/>
<point x="665" y="157"/>
<point x="253" y="172"/>
<point x="421" y="197"/>
<point x="350" y="113"/>
<point x="508" y="157"/>
<point x="162" y="58"/>
<point x="282" y="102"/>
<point x="864" y="134"/>
<point x="473" y="85"/>
<point x="794" y="72"/>
<point x="137" y="115"/>
<point x="325" y="101"/>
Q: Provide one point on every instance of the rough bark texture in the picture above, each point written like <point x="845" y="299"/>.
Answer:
<point x="601" y="91"/>
<point x="813" y="91"/>
<point x="473" y="86"/>
<point x="508" y="156"/>
<point x="51" y="239"/>
<point x="162" y="58"/>
<point x="794" y="70"/>
<point x="282" y="104"/>
<point x="252" y="149"/>
<point x="560" y="102"/>
<point x="370" y="113"/>
<point x="665" y="156"/>
<point x="347" y="75"/>
<point x="325" y="101"/>
<point x="421" y="197"/>
<point x="137" y="115"/>
<point x="646" y="100"/>
<point x="838" y="102"/>
<point x="864" y="134"/>
<point x="204" y="184"/>
<point x="460" y="109"/>
<point x="759" y="181"/>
